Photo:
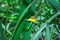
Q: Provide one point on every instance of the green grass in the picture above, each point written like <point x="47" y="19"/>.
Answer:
<point x="15" y="26"/>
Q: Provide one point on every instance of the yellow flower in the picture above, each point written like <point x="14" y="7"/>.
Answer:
<point x="32" y="19"/>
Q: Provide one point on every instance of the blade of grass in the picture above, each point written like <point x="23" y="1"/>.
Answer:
<point x="17" y="33"/>
<point x="26" y="35"/>
<point x="8" y="31"/>
<point x="18" y="26"/>
<point x="48" y="36"/>
<point x="33" y="7"/>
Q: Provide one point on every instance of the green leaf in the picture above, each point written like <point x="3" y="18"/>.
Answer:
<point x="17" y="32"/>
<point x="33" y="7"/>
<point x="48" y="36"/>
<point x="26" y="34"/>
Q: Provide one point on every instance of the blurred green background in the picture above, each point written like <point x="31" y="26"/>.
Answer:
<point x="29" y="19"/>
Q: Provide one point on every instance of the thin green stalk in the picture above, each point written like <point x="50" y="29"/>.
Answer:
<point x="48" y="36"/>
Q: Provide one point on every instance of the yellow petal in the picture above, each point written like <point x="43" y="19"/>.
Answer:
<point x="32" y="20"/>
